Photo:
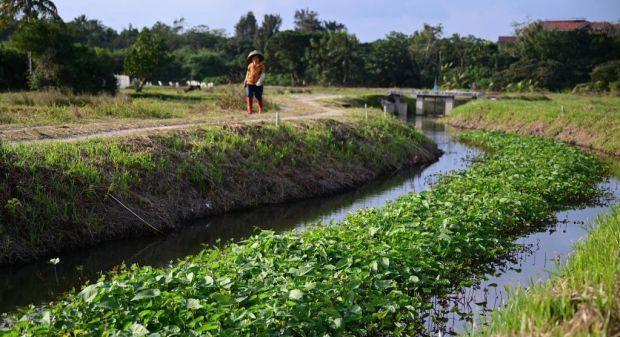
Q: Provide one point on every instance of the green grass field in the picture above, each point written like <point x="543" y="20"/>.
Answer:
<point x="589" y="121"/>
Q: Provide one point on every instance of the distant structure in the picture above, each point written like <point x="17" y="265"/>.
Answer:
<point x="571" y="25"/>
<point x="122" y="81"/>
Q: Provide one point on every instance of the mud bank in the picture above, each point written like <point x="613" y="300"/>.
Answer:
<point x="67" y="195"/>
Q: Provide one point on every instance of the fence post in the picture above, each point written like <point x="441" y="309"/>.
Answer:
<point x="366" y="107"/>
<point x="277" y="118"/>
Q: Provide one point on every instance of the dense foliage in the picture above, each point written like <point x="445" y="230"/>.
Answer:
<point x="324" y="52"/>
<point x="13" y="69"/>
<point x="371" y="275"/>
<point x="61" y="63"/>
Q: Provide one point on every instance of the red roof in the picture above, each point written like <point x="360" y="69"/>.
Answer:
<point x="601" y="25"/>
<point x="506" y="39"/>
<point x="565" y="25"/>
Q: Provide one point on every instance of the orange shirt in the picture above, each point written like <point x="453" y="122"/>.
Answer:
<point x="254" y="72"/>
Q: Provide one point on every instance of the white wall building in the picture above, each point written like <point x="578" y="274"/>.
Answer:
<point x="122" y="81"/>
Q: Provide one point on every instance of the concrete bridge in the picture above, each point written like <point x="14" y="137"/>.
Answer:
<point x="394" y="102"/>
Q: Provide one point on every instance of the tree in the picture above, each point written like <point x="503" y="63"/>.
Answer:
<point x="27" y="11"/>
<point x="13" y="70"/>
<point x="334" y="58"/>
<point x="334" y="26"/>
<point x="245" y="29"/>
<point x="389" y="62"/>
<point x="307" y="21"/>
<point x="286" y="51"/>
<point x="92" y="32"/>
<point x="61" y="62"/>
<point x="426" y="52"/>
<point x="145" y="56"/>
<point x="559" y="59"/>
<point x="268" y="29"/>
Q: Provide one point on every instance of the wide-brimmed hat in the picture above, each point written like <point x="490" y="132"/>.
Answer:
<point x="255" y="53"/>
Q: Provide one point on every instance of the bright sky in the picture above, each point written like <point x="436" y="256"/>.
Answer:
<point x="368" y="19"/>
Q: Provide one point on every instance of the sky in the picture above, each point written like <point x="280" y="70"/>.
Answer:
<point x="367" y="19"/>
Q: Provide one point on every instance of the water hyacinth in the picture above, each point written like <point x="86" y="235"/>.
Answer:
<point x="371" y="275"/>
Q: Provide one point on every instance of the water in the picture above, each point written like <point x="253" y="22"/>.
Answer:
<point x="40" y="282"/>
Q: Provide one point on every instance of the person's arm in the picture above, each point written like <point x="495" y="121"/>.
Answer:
<point x="261" y="79"/>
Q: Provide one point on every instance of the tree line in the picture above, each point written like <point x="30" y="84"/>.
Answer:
<point x="83" y="54"/>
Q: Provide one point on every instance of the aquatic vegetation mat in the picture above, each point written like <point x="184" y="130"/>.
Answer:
<point x="373" y="274"/>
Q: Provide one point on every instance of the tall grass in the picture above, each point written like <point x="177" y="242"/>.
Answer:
<point x="582" y="300"/>
<point x="56" y="98"/>
<point x="232" y="97"/>
<point x="590" y="121"/>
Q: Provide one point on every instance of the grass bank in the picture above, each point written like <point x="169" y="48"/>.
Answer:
<point x="374" y="274"/>
<point x="62" y="195"/>
<point x="582" y="300"/>
<point x="31" y="108"/>
<point x="588" y="121"/>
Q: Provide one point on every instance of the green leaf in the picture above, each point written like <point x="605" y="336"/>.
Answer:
<point x="149" y="293"/>
<point x="89" y="293"/>
<point x="295" y="294"/>
<point x="193" y="304"/>
<point x="138" y="330"/>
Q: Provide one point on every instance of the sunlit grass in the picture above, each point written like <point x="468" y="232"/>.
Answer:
<point x="591" y="121"/>
<point x="582" y="300"/>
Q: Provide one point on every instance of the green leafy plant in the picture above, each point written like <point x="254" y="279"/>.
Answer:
<point x="373" y="274"/>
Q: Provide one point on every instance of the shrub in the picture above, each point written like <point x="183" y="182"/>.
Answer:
<point x="605" y="73"/>
<point x="13" y="70"/>
<point x="60" y="63"/>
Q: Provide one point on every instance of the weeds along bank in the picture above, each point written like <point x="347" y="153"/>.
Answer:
<point x="373" y="274"/>
<point x="588" y="121"/>
<point x="69" y="194"/>
<point x="582" y="300"/>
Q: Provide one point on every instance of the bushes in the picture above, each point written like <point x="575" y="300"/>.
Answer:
<point x="604" y="75"/>
<point x="60" y="63"/>
<point x="13" y="69"/>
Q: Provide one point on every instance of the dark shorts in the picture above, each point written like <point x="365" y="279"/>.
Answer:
<point x="254" y="91"/>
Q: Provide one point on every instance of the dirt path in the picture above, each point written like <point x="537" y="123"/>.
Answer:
<point x="308" y="100"/>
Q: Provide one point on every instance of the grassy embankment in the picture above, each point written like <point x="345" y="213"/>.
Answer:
<point x="372" y="275"/>
<point x="590" y="121"/>
<point x="61" y="195"/>
<point x="158" y="103"/>
<point x="582" y="300"/>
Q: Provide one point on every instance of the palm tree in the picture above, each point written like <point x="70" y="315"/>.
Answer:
<point x="27" y="11"/>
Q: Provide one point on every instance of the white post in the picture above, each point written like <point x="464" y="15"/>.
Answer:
<point x="366" y="107"/>
<point x="277" y="118"/>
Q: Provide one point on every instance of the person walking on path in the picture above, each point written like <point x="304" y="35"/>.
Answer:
<point x="254" y="79"/>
